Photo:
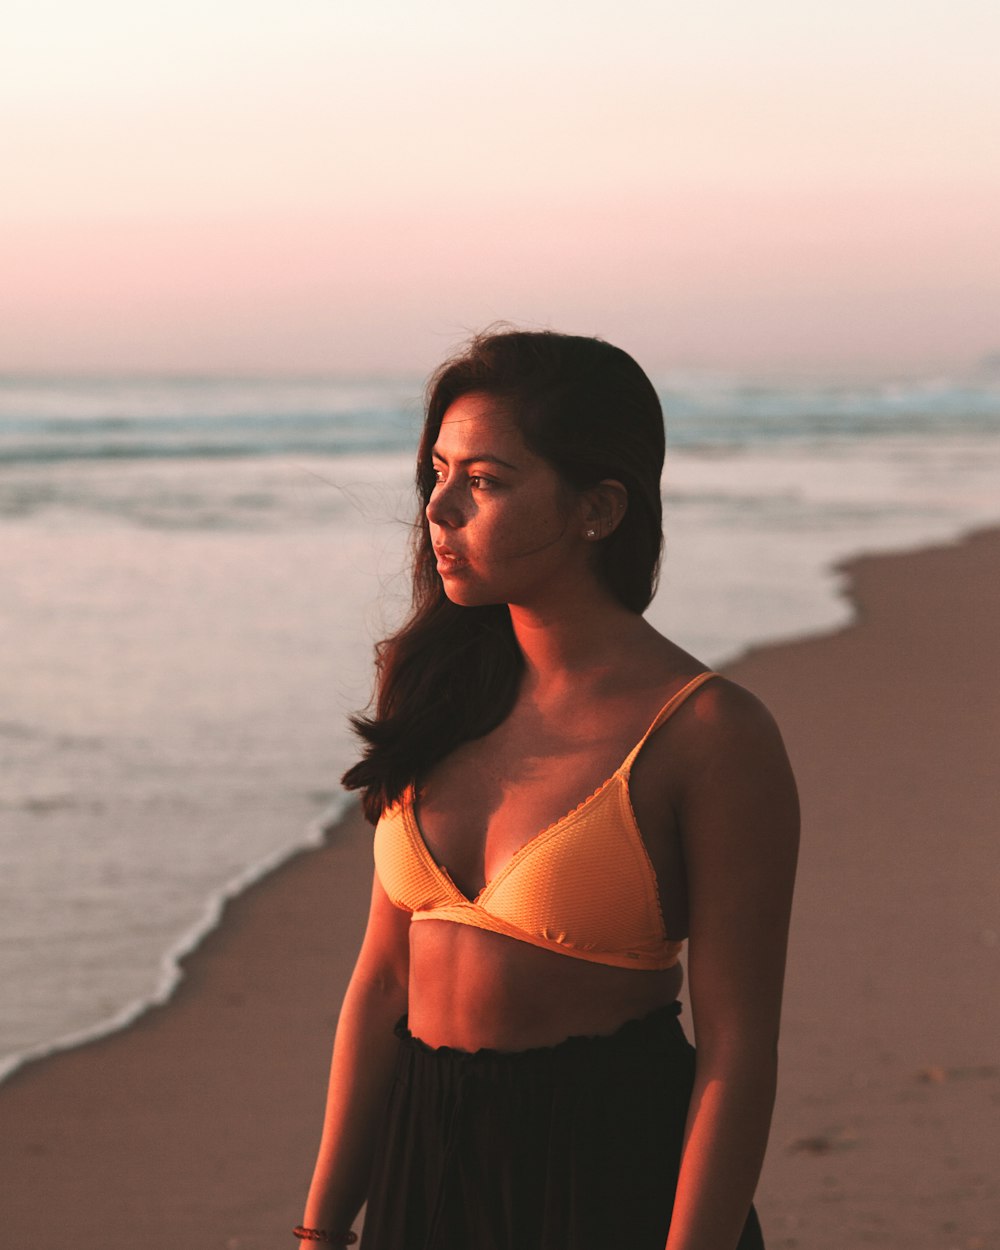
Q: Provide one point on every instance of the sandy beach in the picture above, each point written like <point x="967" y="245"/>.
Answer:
<point x="197" y="1125"/>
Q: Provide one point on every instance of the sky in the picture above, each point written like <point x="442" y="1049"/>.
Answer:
<point x="329" y="187"/>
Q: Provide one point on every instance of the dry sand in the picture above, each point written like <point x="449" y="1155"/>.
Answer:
<point x="196" y="1127"/>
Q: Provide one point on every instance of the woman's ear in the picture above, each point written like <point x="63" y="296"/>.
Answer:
<point x="604" y="507"/>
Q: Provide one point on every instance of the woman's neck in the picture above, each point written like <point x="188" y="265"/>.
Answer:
<point x="567" y="644"/>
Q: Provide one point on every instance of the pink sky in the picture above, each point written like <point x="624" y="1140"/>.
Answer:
<point x="321" y="188"/>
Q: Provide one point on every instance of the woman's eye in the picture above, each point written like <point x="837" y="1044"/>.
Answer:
<point x="475" y="480"/>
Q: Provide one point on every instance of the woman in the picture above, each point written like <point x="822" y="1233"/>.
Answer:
<point x="562" y="796"/>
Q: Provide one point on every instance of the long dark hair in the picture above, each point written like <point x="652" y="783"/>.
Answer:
<point x="451" y="673"/>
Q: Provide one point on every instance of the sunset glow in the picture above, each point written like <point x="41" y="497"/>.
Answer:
<point x="332" y="187"/>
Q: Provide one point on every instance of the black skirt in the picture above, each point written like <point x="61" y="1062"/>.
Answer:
<point x="568" y="1147"/>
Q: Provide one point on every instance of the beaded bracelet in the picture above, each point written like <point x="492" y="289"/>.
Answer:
<point x="321" y="1234"/>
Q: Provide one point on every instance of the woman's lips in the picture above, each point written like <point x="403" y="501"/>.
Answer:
<point x="449" y="561"/>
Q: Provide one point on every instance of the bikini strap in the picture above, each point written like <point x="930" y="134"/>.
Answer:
<point x="665" y="712"/>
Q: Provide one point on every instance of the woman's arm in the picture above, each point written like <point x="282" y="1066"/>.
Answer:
<point x="739" y="819"/>
<point x="364" y="1051"/>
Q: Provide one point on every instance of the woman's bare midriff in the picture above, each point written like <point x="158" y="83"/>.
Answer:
<point x="471" y="989"/>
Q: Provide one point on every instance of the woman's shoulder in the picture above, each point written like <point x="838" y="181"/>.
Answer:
<point x="713" y="720"/>
<point x="724" y="707"/>
<point x="723" y="718"/>
<point x="729" y="752"/>
<point x="717" y="703"/>
<point x="716" y="768"/>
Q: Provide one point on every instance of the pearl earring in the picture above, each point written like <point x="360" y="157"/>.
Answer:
<point x="591" y="533"/>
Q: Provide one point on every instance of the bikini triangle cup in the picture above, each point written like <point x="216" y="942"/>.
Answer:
<point x="583" y="886"/>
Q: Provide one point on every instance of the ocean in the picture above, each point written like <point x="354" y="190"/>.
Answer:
<point x="193" y="572"/>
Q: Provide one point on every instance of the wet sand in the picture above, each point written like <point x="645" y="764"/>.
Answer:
<point x="197" y="1125"/>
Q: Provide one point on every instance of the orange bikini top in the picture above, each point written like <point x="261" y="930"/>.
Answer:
<point x="584" y="886"/>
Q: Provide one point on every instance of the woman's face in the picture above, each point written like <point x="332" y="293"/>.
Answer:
<point x="505" y="527"/>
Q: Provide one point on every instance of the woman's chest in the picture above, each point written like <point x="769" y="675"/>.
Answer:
<point x="489" y="798"/>
<point x="493" y="799"/>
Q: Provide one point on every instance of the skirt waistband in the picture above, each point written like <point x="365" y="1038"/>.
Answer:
<point x="660" y="1025"/>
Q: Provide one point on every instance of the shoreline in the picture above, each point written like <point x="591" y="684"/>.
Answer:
<point x="187" y="945"/>
<point x="105" y="1104"/>
<point x="243" y="1040"/>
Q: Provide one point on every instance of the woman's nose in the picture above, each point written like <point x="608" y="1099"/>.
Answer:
<point x="444" y="508"/>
